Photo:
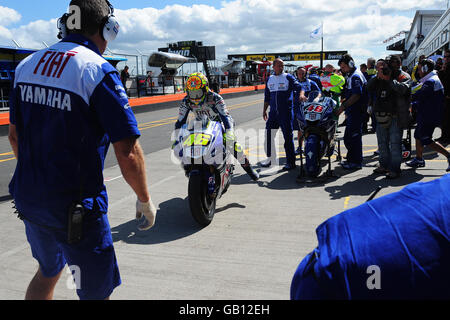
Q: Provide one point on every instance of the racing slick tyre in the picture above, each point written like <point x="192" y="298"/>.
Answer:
<point x="201" y="205"/>
<point x="312" y="160"/>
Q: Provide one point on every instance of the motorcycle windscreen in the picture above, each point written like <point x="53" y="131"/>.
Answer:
<point x="202" y="142"/>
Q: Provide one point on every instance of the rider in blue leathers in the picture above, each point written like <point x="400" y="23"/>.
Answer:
<point x="278" y="95"/>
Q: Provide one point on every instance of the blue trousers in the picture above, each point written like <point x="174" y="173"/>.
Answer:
<point x="353" y="137"/>
<point x="283" y="120"/>
<point x="390" y="146"/>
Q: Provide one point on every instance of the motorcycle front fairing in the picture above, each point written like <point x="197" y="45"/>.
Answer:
<point x="201" y="149"/>
<point x="200" y="142"/>
<point x="319" y="115"/>
<point x="318" y="127"/>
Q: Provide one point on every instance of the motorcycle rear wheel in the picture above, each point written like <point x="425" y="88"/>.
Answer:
<point x="202" y="207"/>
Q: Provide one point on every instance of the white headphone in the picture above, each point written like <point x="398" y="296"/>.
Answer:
<point x="109" y="28"/>
<point x="351" y="64"/>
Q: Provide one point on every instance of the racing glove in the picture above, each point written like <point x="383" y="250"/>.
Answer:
<point x="148" y="210"/>
<point x="229" y="135"/>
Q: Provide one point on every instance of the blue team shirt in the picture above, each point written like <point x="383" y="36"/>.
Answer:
<point x="429" y="100"/>
<point x="68" y="105"/>
<point x="356" y="84"/>
<point x="279" y="91"/>
<point x="405" y="234"/>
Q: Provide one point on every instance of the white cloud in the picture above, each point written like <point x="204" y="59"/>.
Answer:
<point x="5" y="34"/>
<point x="249" y="26"/>
<point x="8" y="16"/>
<point x="411" y="4"/>
<point x="33" y="34"/>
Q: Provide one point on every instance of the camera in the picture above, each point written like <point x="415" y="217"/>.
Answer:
<point x="386" y="71"/>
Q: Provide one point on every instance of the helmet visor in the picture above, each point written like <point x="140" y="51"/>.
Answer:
<point x="195" y="94"/>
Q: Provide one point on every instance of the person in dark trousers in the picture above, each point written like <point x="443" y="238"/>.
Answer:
<point x="403" y="102"/>
<point x="371" y="73"/>
<point x="60" y="133"/>
<point x="428" y="101"/>
<point x="389" y="134"/>
<point x="124" y="76"/>
<point x="279" y="96"/>
<point x="366" y="116"/>
<point x="396" y="247"/>
<point x="444" y="76"/>
<point x="355" y="95"/>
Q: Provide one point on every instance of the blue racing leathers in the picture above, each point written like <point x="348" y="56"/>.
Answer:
<point x="278" y="94"/>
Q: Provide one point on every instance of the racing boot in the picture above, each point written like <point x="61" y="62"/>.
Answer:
<point x="250" y="171"/>
<point x="243" y="160"/>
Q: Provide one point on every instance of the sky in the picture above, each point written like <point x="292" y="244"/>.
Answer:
<point x="233" y="26"/>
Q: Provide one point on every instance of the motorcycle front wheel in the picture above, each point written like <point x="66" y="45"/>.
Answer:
<point x="312" y="161"/>
<point x="202" y="207"/>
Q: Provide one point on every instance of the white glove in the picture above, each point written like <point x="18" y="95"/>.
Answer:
<point x="148" y="210"/>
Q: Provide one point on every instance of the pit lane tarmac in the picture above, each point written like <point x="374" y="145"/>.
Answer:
<point x="259" y="234"/>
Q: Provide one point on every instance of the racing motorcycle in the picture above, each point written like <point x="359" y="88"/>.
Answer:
<point x="207" y="163"/>
<point x="317" y="123"/>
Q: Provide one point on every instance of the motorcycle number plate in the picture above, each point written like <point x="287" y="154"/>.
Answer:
<point x="311" y="116"/>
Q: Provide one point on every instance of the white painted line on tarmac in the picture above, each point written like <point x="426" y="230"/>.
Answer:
<point x="133" y="195"/>
<point x="112" y="179"/>
<point x="13" y="251"/>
